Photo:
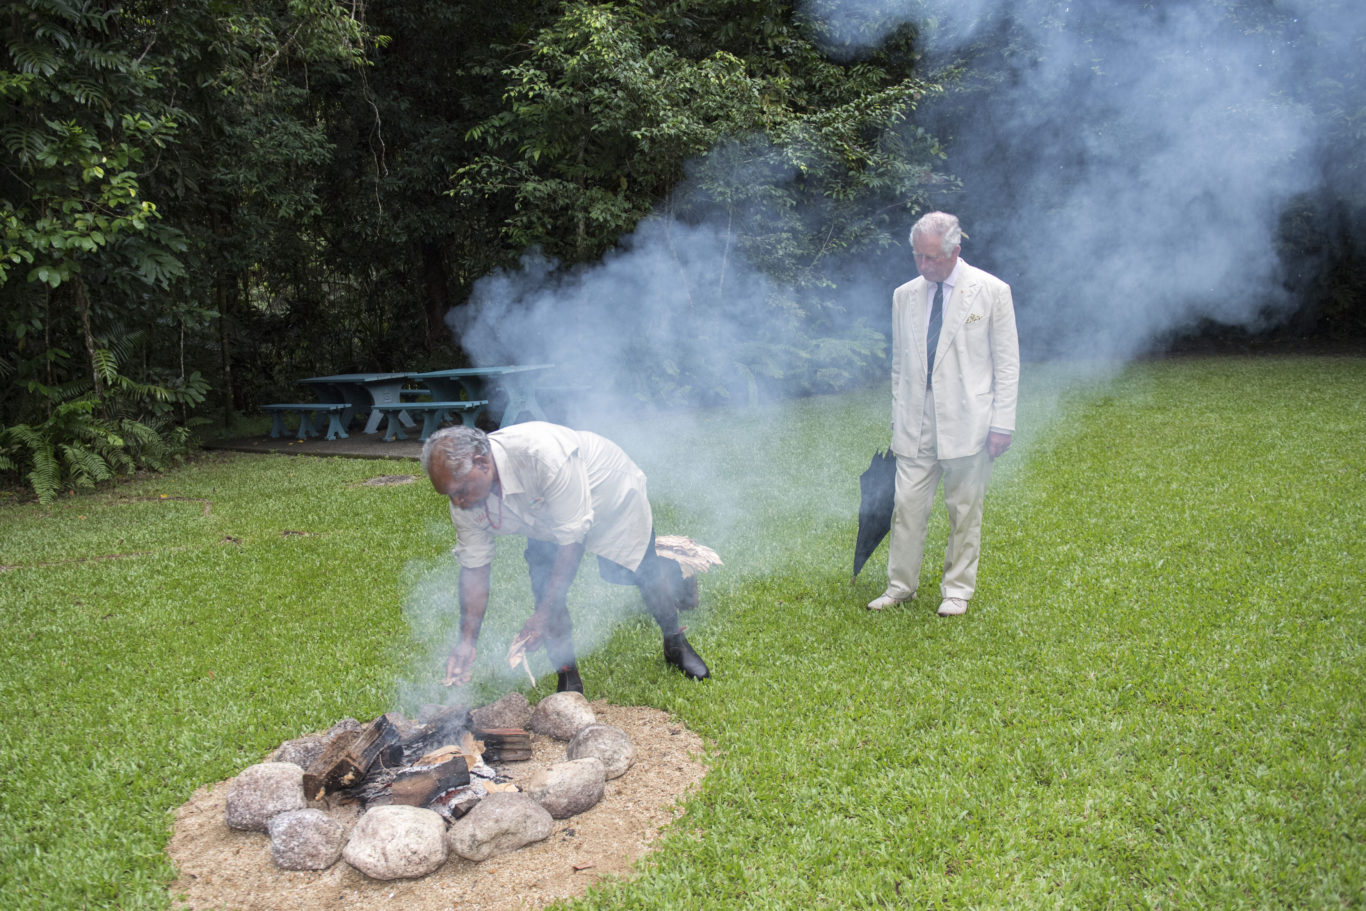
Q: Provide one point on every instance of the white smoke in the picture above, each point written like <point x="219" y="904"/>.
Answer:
<point x="1126" y="167"/>
<point x="1125" y="171"/>
<point x="671" y="303"/>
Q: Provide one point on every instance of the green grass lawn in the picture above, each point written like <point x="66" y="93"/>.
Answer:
<point x="1156" y="699"/>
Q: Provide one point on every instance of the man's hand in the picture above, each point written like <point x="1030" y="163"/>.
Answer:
<point x="533" y="631"/>
<point x="474" y="599"/>
<point x="460" y="664"/>
<point x="997" y="443"/>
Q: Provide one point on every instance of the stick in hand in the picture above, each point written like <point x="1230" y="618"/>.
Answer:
<point x="517" y="654"/>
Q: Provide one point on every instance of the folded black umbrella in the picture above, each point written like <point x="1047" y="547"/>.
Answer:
<point x="877" y="488"/>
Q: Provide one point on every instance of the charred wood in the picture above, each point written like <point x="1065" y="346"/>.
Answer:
<point x="505" y="744"/>
<point x="443" y="730"/>
<point x="349" y="756"/>
<point x="458" y="802"/>
<point x="317" y="773"/>
<point x="415" y="786"/>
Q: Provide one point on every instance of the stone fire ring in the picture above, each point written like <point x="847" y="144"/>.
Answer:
<point x="595" y="792"/>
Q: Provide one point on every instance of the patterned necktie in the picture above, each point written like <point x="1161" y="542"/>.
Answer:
<point x="932" y="334"/>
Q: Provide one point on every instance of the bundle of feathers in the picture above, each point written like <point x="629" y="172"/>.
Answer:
<point x="692" y="557"/>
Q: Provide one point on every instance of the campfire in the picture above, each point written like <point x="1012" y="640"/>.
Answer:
<point x="439" y="765"/>
<point x="394" y="797"/>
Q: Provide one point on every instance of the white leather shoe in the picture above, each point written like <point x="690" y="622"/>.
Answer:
<point x="953" y="607"/>
<point x="887" y="600"/>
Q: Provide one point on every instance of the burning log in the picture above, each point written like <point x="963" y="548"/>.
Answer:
<point x="350" y="755"/>
<point x="443" y="730"/>
<point x="505" y="744"/>
<point x="421" y="781"/>
<point x="416" y="786"/>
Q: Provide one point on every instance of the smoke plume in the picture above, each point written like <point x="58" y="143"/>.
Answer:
<point x="1125" y="165"/>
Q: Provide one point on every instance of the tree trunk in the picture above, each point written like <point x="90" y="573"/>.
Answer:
<point x="220" y="300"/>
<point x="83" y="307"/>
<point x="436" y="278"/>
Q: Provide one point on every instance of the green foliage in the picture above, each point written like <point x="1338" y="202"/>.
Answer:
<point x="156" y="156"/>
<point x="602" y="114"/>
<point x="595" y="128"/>
<point x="614" y="112"/>
<point x="80" y="125"/>
<point x="86" y="439"/>
<point x="86" y="117"/>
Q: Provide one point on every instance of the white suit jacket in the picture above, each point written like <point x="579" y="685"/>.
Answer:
<point x="976" y="365"/>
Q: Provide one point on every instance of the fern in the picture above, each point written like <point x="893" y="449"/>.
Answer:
<point x="84" y="467"/>
<point x="145" y="444"/>
<point x="46" y="474"/>
<point x="106" y="366"/>
<point x="87" y="440"/>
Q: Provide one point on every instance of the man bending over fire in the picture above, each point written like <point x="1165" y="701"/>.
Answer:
<point x="567" y="491"/>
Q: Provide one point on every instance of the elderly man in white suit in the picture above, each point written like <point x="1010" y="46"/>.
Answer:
<point x="955" y="378"/>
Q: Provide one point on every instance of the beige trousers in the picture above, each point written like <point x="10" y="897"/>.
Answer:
<point x="965" y="487"/>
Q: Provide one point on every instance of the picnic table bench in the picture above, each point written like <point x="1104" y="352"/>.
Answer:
<point x="513" y="384"/>
<point x="434" y="414"/>
<point x="310" y="418"/>
<point x="391" y="405"/>
<point x="362" y="392"/>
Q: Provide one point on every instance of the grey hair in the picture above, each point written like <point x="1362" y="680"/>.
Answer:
<point x="942" y="225"/>
<point x="457" y="447"/>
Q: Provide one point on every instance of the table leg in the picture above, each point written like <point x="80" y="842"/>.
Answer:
<point x="337" y="394"/>
<point x="389" y="392"/>
<point x="307" y="429"/>
<point x="335" y="428"/>
<point x="431" y="421"/>
<point x="521" y="397"/>
<point x="393" y="430"/>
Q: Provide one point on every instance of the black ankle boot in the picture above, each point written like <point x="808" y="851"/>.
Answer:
<point x="568" y="679"/>
<point x="680" y="654"/>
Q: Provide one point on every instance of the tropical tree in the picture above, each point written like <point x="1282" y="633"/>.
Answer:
<point x="96" y="376"/>
<point x="616" y="112"/>
<point x="81" y="248"/>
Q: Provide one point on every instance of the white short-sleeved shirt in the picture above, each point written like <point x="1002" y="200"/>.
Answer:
<point x="559" y="485"/>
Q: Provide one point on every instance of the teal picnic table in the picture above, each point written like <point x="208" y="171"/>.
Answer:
<point x="514" y="385"/>
<point x="362" y="391"/>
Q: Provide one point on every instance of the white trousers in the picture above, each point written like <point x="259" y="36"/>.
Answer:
<point x="965" y="487"/>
